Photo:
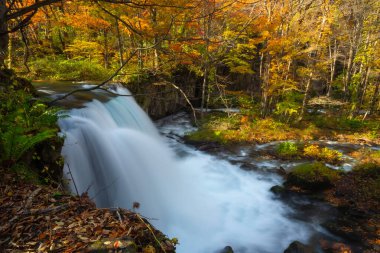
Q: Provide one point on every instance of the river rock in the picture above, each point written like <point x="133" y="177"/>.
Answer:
<point x="227" y="249"/>
<point x="298" y="247"/>
<point x="277" y="189"/>
<point x="281" y="171"/>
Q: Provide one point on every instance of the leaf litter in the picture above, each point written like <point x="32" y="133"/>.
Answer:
<point x="35" y="218"/>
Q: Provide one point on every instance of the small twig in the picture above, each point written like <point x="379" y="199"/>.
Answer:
<point x="186" y="98"/>
<point x="72" y="178"/>
<point x="104" y="188"/>
<point x="151" y="230"/>
<point x="88" y="188"/>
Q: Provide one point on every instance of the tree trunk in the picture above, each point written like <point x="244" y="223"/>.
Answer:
<point x="119" y="42"/>
<point x="375" y="97"/>
<point x="265" y="84"/>
<point x="354" y="44"/>
<point x="106" y="58"/>
<point x="307" y="91"/>
<point x="4" y="38"/>
<point x="207" y="20"/>
<point x="363" y="87"/>
<point x="155" y="41"/>
<point x="10" y="52"/>
<point x="333" y="52"/>
<point x="26" y="49"/>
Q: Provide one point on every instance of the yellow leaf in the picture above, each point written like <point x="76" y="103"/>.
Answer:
<point x="149" y="249"/>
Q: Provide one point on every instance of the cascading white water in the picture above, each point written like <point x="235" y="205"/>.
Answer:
<point x="114" y="151"/>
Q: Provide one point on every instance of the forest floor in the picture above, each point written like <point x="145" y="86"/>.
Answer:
<point x="37" y="218"/>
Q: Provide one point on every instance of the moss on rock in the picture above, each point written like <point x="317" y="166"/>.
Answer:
<point x="312" y="176"/>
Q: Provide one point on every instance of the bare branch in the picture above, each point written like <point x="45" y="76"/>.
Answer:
<point x="30" y="8"/>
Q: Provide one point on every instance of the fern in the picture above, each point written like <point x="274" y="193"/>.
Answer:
<point x="15" y="143"/>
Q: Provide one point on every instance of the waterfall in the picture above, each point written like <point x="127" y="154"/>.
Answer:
<point x="114" y="151"/>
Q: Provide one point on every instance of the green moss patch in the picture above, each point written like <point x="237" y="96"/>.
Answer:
<point x="312" y="176"/>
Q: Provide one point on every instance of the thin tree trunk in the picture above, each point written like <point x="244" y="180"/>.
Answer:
<point x="119" y="42"/>
<point x="307" y="91"/>
<point x="354" y="44"/>
<point x="26" y="49"/>
<point x="206" y="57"/>
<point x="106" y="60"/>
<point x="155" y="41"/>
<point x="265" y="85"/>
<point x="10" y="52"/>
<point x="4" y="38"/>
<point x="363" y="87"/>
<point x="375" y="97"/>
<point x="333" y="56"/>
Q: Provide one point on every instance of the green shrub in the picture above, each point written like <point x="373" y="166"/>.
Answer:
<point x="312" y="176"/>
<point x="62" y="69"/>
<point x="322" y="154"/>
<point x="287" y="149"/>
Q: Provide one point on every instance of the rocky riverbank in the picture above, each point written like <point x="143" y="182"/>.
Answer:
<point x="351" y="197"/>
<point x="354" y="194"/>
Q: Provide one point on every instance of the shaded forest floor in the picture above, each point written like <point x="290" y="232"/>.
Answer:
<point x="38" y="218"/>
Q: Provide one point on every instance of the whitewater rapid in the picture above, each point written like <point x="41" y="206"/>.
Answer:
<point x="115" y="152"/>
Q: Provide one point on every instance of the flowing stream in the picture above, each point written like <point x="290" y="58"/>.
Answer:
<point x="114" y="151"/>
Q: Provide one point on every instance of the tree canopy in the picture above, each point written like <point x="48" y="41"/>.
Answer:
<point x="282" y="52"/>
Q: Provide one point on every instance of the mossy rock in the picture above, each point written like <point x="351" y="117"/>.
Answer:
<point x="312" y="176"/>
<point x="367" y="169"/>
<point x="203" y="136"/>
<point x="278" y="190"/>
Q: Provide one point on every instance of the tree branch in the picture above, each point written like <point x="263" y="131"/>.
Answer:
<point x="30" y="8"/>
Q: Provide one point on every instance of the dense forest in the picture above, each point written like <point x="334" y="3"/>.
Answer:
<point x="282" y="53"/>
<point x="297" y="75"/>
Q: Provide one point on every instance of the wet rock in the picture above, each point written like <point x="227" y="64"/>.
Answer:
<point x="227" y="249"/>
<point x="249" y="167"/>
<point x="278" y="190"/>
<point x="208" y="146"/>
<point x="281" y="171"/>
<point x="298" y="247"/>
<point x="313" y="177"/>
